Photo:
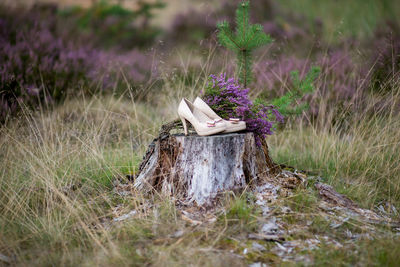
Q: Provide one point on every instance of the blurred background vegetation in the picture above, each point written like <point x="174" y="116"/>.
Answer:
<point x="115" y="46"/>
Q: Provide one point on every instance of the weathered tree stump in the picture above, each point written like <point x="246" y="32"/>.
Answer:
<point x="197" y="168"/>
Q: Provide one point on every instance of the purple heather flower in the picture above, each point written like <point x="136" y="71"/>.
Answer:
<point x="36" y="58"/>
<point x="229" y="99"/>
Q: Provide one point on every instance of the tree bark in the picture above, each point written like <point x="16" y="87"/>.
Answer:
<point x="196" y="168"/>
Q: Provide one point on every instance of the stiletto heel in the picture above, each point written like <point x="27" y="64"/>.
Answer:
<point x="184" y="125"/>
<point x="203" y="124"/>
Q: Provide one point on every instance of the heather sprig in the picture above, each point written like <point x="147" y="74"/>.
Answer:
<point x="230" y="100"/>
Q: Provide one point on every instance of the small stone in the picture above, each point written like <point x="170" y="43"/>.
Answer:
<point x="256" y="246"/>
<point x="281" y="247"/>
<point x="270" y="228"/>
<point x="336" y="225"/>
<point x="257" y="264"/>
<point x="265" y="210"/>
<point x="286" y="210"/>
<point x="5" y="258"/>
<point x="125" y="216"/>
<point x="178" y="234"/>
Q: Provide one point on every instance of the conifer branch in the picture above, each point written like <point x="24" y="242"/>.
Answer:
<point x="246" y="38"/>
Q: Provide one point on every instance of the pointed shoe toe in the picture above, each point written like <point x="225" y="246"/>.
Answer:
<point x="235" y="127"/>
<point x="231" y="126"/>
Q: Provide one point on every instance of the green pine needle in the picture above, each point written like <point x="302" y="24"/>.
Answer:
<point x="246" y="38"/>
<point x="301" y="87"/>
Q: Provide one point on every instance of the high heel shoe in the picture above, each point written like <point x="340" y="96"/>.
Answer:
<point x="232" y="125"/>
<point x="203" y="124"/>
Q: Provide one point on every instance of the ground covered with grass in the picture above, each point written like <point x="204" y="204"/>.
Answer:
<point x="69" y="149"/>
<point x="66" y="199"/>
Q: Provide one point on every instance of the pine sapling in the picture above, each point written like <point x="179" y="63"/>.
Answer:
<point x="246" y="38"/>
<point x="286" y="104"/>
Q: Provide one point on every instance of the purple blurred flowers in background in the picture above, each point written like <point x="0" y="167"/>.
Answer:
<point x="343" y="80"/>
<point x="39" y="64"/>
<point x="47" y="54"/>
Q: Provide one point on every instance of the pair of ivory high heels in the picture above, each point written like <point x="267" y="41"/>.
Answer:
<point x="204" y="120"/>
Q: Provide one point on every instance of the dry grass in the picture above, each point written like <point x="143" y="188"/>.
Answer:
<point x="57" y="169"/>
<point x="360" y="158"/>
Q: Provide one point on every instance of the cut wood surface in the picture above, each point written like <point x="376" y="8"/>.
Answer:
<point x="197" y="168"/>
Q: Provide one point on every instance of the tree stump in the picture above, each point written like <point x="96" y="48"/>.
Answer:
<point x="197" y="168"/>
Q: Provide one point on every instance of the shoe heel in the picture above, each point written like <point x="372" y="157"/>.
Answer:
<point x="184" y="125"/>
